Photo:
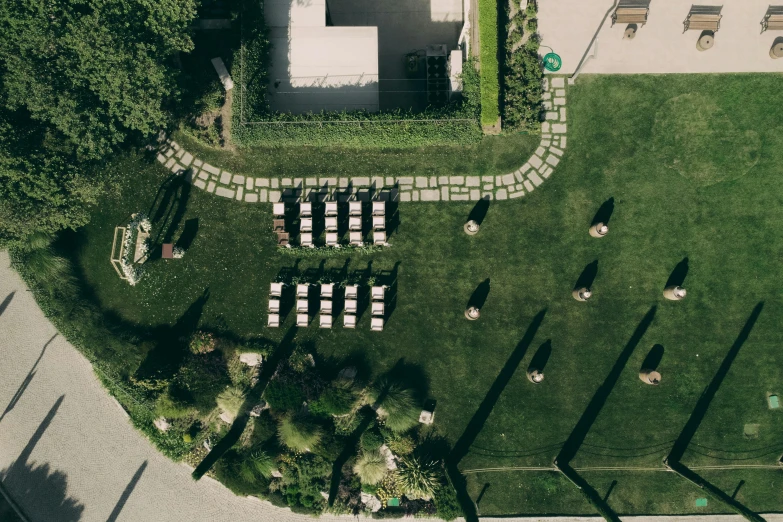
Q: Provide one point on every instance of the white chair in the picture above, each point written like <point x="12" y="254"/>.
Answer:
<point x="354" y="208"/>
<point x="331" y="209"/>
<point x="355" y="223"/>
<point x="377" y="293"/>
<point x="325" y="321"/>
<point x="278" y="209"/>
<point x="326" y="307"/>
<point x="331" y="224"/>
<point x="356" y="239"/>
<point x="331" y="239"/>
<point x="377" y="324"/>
<point x="306" y="225"/>
<point x="327" y="290"/>
<point x="273" y="321"/>
<point x="379" y="237"/>
<point x="276" y="289"/>
<point x="379" y="222"/>
<point x="349" y="321"/>
<point x="352" y="291"/>
<point x="302" y="290"/>
<point x="307" y="239"/>
<point x="378" y="208"/>
<point x="305" y="210"/>
<point x="302" y="319"/>
<point x="351" y="306"/>
<point x="274" y="305"/>
<point x="301" y="306"/>
<point x="377" y="308"/>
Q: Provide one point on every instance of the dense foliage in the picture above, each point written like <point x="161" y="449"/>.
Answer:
<point x="522" y="71"/>
<point x="77" y="81"/>
<point x="488" y="58"/>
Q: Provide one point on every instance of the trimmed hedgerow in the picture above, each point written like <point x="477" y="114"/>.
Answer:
<point x="488" y="57"/>
<point x="522" y="73"/>
<point x="255" y="123"/>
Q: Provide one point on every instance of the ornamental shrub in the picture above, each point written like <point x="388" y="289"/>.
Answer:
<point x="298" y="432"/>
<point x="399" y="404"/>
<point x="419" y="477"/>
<point x="283" y="396"/>
<point x="522" y="72"/>
<point x="202" y="342"/>
<point x="371" y="467"/>
<point x="231" y="400"/>
<point x="337" y="399"/>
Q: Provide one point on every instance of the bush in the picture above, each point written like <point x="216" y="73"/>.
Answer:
<point x="371" y="467"/>
<point x="298" y="432"/>
<point x="231" y="400"/>
<point x="337" y="399"/>
<point x="446" y="502"/>
<point x="264" y="428"/>
<point x="168" y="407"/>
<point x="263" y="463"/>
<point x="237" y="473"/>
<point x="488" y="58"/>
<point x="200" y="380"/>
<point x="371" y="440"/>
<point x="399" y="403"/>
<point x="419" y="477"/>
<point x="282" y="396"/>
<point x="522" y="73"/>
<point x="202" y="342"/>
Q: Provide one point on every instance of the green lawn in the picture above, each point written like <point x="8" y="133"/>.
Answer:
<point x="692" y="163"/>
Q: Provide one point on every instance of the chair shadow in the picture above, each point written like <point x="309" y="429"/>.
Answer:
<point x="539" y="360"/>
<point x="653" y="358"/>
<point x="480" y="294"/>
<point x="479" y="211"/>
<point x="587" y="277"/>
<point x="604" y="213"/>
<point x="678" y="275"/>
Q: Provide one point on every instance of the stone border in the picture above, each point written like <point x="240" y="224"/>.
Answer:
<point x="404" y="188"/>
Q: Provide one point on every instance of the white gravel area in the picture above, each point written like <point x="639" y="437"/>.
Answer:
<point x="68" y="452"/>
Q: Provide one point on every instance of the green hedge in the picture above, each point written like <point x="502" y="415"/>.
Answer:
<point x="488" y="57"/>
<point x="254" y="123"/>
<point x="522" y="72"/>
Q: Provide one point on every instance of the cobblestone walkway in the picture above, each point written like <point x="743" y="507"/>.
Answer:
<point x="525" y="179"/>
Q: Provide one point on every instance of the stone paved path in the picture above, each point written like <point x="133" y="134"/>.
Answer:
<point x="61" y="435"/>
<point x="420" y="188"/>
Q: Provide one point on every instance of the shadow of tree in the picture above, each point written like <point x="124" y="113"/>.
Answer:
<point x="127" y="493"/>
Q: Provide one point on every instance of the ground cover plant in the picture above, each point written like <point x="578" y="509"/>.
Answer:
<point x="672" y="199"/>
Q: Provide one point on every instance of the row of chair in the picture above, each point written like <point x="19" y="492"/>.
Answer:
<point x="378" y="305"/>
<point x="356" y="238"/>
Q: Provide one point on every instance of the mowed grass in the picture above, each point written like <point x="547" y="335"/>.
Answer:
<point x="673" y="198"/>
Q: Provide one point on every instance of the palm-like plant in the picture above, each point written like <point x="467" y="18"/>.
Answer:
<point x="298" y="432"/>
<point x="419" y="477"/>
<point x="263" y="463"/>
<point x="371" y="467"/>
<point x="398" y="403"/>
<point x="231" y="400"/>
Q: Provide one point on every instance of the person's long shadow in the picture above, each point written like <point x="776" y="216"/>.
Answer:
<point x="587" y="277"/>
<point x="26" y="381"/>
<point x="539" y="360"/>
<point x="126" y="493"/>
<point x="653" y="358"/>
<point x="480" y="294"/>
<point x="594" y="407"/>
<point x="677" y="277"/>
<point x="674" y="459"/>
<point x="604" y="213"/>
<point x="479" y="211"/>
<point x="476" y="423"/>
<point x="6" y="302"/>
<point x="189" y="232"/>
<point x="283" y="351"/>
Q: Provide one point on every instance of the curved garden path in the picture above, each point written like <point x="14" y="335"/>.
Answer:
<point x="403" y="188"/>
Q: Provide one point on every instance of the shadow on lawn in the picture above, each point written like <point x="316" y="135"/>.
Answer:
<point x="480" y="295"/>
<point x="653" y="358"/>
<point x="594" y="407"/>
<point x="539" y="360"/>
<point x="479" y="211"/>
<point x="604" y="213"/>
<point x="587" y="277"/>
<point x="169" y="207"/>
<point x="677" y="277"/>
<point x="476" y="423"/>
<point x="674" y="459"/>
<point x="283" y="352"/>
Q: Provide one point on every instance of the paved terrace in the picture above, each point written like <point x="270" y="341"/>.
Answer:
<point x="660" y="46"/>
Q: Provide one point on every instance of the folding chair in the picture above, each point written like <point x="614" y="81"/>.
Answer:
<point x="282" y="238"/>
<point x="379" y="237"/>
<point x="331" y="224"/>
<point x="352" y="291"/>
<point x="305" y="210"/>
<point x="378" y="308"/>
<point x="278" y="225"/>
<point x="331" y="239"/>
<point x="306" y="225"/>
<point x="331" y="209"/>
<point x="302" y="319"/>
<point x="302" y="290"/>
<point x="354" y="208"/>
<point x="301" y="306"/>
<point x="377" y="324"/>
<point x="351" y="306"/>
<point x="307" y="240"/>
<point x="378" y="208"/>
<point x="356" y="239"/>
<point x="377" y="293"/>
<point x="326" y="307"/>
<point x="379" y="222"/>
<point x="349" y="321"/>
<point x="273" y="321"/>
<point x="274" y="306"/>
<point x="278" y="209"/>
<point x="275" y="289"/>
<point x="327" y="290"/>
<point x="355" y="223"/>
<point x="325" y="321"/>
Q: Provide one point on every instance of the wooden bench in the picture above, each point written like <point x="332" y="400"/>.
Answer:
<point x="702" y="22"/>
<point x="772" y="22"/>
<point x="630" y="15"/>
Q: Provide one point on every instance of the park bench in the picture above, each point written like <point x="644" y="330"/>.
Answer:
<point x="630" y="15"/>
<point x="773" y="19"/>
<point x="702" y="22"/>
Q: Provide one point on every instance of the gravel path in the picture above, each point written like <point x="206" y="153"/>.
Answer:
<point x="68" y="451"/>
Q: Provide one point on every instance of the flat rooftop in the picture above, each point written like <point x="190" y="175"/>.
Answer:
<point x="571" y="29"/>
